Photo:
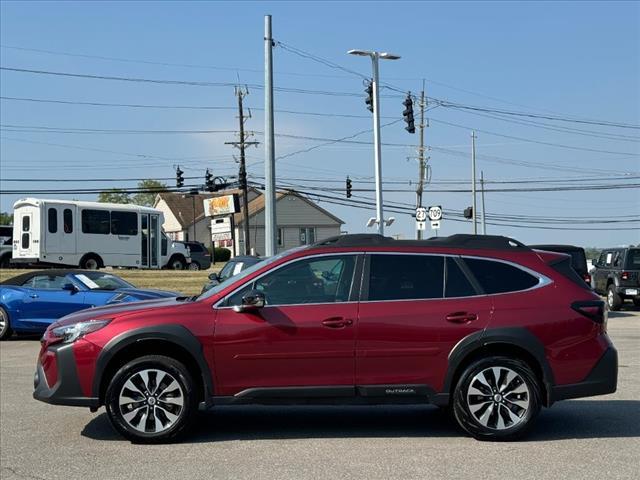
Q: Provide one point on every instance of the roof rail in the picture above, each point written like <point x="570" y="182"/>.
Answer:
<point x="460" y="240"/>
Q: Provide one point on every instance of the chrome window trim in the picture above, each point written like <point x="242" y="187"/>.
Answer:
<point x="293" y="260"/>
<point x="543" y="280"/>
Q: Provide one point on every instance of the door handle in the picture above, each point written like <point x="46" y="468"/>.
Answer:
<point x="337" y="322"/>
<point x="461" y="317"/>
<point x="33" y="295"/>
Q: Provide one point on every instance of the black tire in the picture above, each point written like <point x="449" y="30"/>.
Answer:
<point x="614" y="301"/>
<point x="153" y="414"/>
<point x="5" y="325"/>
<point x="488" y="416"/>
<point x="5" y="261"/>
<point x="90" y="262"/>
<point x="636" y="302"/>
<point x="177" y="262"/>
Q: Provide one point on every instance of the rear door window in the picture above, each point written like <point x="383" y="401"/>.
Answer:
<point x="52" y="220"/>
<point x="457" y="283"/>
<point x="405" y="277"/>
<point x="499" y="277"/>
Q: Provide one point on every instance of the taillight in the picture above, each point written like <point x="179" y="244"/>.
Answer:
<point x="592" y="309"/>
<point x="624" y="276"/>
<point x="587" y="278"/>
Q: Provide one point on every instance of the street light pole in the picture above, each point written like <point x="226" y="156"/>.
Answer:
<point x="377" y="152"/>
<point x="377" y="155"/>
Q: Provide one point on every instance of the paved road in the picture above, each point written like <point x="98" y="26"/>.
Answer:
<point x="597" y="438"/>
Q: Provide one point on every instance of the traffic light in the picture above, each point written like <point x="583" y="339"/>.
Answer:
<point x="209" y="181"/>
<point x="179" y="178"/>
<point x="348" y="187"/>
<point x="408" y="114"/>
<point x="468" y="212"/>
<point x="369" y="99"/>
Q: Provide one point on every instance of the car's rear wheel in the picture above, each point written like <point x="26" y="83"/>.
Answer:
<point x="177" y="262"/>
<point x="636" y="302"/>
<point x="613" y="299"/>
<point x="151" y="399"/>
<point x="5" y="324"/>
<point x="497" y="398"/>
<point x="194" y="266"/>
<point x="90" y="262"/>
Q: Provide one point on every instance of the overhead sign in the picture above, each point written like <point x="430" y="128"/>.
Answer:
<point x="435" y="225"/>
<point x="421" y="214"/>
<point x="223" y="205"/>
<point x="435" y="213"/>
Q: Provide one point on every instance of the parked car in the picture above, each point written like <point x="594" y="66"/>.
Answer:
<point x="231" y="268"/>
<point x="30" y="302"/>
<point x="200" y="256"/>
<point x="617" y="275"/>
<point x="482" y="324"/>
<point x="6" y="245"/>
<point x="578" y="258"/>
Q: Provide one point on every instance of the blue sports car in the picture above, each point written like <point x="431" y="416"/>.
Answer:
<point x="30" y="302"/>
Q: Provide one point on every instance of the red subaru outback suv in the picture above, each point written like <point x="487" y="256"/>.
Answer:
<point x="481" y="324"/>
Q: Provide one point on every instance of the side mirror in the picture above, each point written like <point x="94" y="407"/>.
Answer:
<point x="214" y="276"/>
<point x="251" y="302"/>
<point x="70" y="287"/>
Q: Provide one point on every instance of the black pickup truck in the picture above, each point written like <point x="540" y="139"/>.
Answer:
<point x="617" y="275"/>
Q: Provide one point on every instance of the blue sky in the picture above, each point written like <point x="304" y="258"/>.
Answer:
<point x="576" y="59"/>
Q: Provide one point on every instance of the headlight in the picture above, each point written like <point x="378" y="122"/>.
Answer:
<point x="70" y="333"/>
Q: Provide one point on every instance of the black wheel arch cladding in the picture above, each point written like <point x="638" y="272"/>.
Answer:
<point x="171" y="333"/>
<point x="518" y="337"/>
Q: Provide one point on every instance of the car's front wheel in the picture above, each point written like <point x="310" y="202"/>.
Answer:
<point x="496" y="398"/>
<point x="151" y="399"/>
<point x="5" y="325"/>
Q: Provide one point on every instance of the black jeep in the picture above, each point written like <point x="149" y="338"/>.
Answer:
<point x="617" y="275"/>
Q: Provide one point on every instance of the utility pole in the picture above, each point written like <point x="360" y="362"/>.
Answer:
<point x="422" y="163"/>
<point x="269" y="145"/>
<point x="484" y="225"/>
<point x="473" y="181"/>
<point x="242" y="174"/>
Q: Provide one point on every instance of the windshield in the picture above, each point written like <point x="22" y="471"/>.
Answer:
<point x="101" y="281"/>
<point x="245" y="273"/>
<point x="633" y="259"/>
<point x="226" y="271"/>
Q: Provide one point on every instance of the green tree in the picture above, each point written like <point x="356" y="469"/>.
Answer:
<point x="114" y="195"/>
<point x="6" y="218"/>
<point x="147" y="198"/>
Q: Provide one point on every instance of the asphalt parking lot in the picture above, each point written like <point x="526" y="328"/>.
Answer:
<point x="591" y="438"/>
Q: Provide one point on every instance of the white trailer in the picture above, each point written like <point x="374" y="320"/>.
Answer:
<point x="92" y="235"/>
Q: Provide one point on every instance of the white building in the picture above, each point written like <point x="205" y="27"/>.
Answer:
<point x="300" y="221"/>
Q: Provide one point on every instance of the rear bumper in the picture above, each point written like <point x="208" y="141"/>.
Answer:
<point x="602" y="379"/>
<point x="66" y="390"/>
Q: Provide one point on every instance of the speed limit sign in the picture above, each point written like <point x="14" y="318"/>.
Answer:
<point x="435" y="213"/>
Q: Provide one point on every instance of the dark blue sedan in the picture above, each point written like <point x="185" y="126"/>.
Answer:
<point x="30" y="302"/>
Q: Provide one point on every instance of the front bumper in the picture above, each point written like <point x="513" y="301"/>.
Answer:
<point x="66" y="389"/>
<point x="602" y="380"/>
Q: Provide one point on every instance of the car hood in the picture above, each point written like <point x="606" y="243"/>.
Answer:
<point x="119" y="310"/>
<point x="145" y="294"/>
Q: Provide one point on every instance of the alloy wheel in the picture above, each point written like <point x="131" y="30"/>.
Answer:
<point x="498" y="398"/>
<point x="151" y="401"/>
<point x="610" y="299"/>
<point x="4" y="322"/>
